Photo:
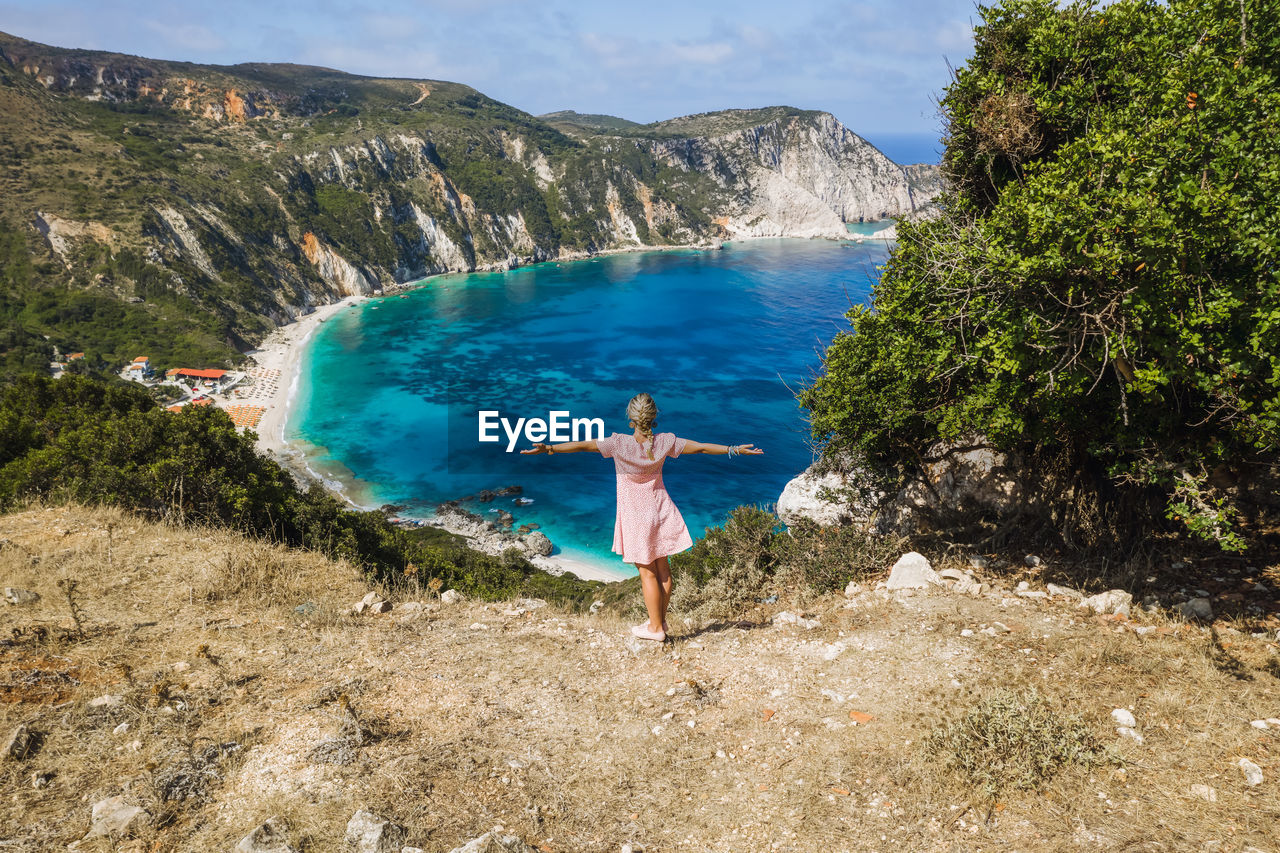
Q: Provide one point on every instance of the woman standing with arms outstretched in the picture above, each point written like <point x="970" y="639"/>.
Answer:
<point x="647" y="528"/>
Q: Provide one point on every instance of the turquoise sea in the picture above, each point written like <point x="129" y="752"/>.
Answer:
<point x="390" y="391"/>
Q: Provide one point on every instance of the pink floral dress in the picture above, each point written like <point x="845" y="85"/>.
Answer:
<point x="648" y="525"/>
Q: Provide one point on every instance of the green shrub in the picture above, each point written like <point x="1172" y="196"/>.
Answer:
<point x="1013" y="740"/>
<point x="1101" y="291"/>
<point x="109" y="443"/>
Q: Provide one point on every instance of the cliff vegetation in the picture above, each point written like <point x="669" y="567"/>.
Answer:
<point x="1100" y="298"/>
<point x="182" y="211"/>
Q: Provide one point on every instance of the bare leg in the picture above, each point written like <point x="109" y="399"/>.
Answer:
<point x="651" y="586"/>
<point x="663" y="571"/>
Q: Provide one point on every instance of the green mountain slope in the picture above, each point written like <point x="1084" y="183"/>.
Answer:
<point x="184" y="210"/>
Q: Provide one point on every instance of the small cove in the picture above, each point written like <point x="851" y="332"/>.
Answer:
<point x="389" y="394"/>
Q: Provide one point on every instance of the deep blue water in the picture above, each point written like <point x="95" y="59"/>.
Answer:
<point x="905" y="148"/>
<point x="390" y="391"/>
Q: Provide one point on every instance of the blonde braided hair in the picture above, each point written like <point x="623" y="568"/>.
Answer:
<point x="642" y="412"/>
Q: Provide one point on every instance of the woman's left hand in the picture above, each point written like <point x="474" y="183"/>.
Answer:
<point x="749" y="450"/>
<point x="537" y="448"/>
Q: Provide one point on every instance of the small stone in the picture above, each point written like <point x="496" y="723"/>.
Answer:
<point x="1259" y="724"/>
<point x="1252" y="772"/>
<point x="978" y="562"/>
<point x="1197" y="608"/>
<point x="1204" y="792"/>
<point x="860" y="718"/>
<point x="181" y="666"/>
<point x="412" y="850"/>
<point x="1123" y="717"/>
<point x="271" y="836"/>
<point x="107" y="700"/>
<point x="41" y="779"/>
<point x="1131" y="733"/>
<point x="380" y="607"/>
<point x="1001" y="628"/>
<point x="1115" y="601"/>
<point x="21" y="743"/>
<point x="595" y="607"/>
<point x="1032" y="594"/>
<point x="20" y="597"/>
<point x="113" y="816"/>
<point x="1023" y="585"/>
<point x="852" y="588"/>
<point x="1144" y="630"/>
<point x="479" y="626"/>
<point x="953" y="575"/>
<point x="834" y="650"/>
<point x="369" y="833"/>
<point x="912" y="571"/>
<point x="967" y="632"/>
<point x="452" y="596"/>
<point x="121" y="729"/>
<point x="786" y="617"/>
<point x="1031" y="561"/>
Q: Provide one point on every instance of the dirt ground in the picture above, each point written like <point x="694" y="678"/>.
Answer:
<point x="240" y="687"/>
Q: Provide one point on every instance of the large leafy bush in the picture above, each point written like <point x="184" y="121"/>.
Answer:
<point x="1101" y="291"/>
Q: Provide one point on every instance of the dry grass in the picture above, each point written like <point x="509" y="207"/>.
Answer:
<point x="544" y="722"/>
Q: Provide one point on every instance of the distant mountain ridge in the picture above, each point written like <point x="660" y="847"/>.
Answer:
<point x="206" y="204"/>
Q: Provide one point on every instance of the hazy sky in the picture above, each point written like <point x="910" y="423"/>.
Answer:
<point x="878" y="65"/>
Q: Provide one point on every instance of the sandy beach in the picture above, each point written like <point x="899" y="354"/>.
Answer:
<point x="278" y="361"/>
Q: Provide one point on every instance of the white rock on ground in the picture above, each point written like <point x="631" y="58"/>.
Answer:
<point x="106" y="700"/>
<point x="494" y="842"/>
<point x="1115" y="601"/>
<point x="1204" y="792"/>
<point x="1252" y="772"/>
<point x="1064" y="592"/>
<point x="1123" y="717"/>
<point x="1132" y="734"/>
<point x="113" y="817"/>
<point x="271" y="836"/>
<point x="452" y="596"/>
<point x="852" y="589"/>
<point x="14" y="595"/>
<point x="912" y="571"/>
<point x="786" y="617"/>
<point x="369" y="833"/>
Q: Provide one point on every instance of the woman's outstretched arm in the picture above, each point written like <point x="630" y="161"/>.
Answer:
<point x="720" y="449"/>
<point x="565" y="447"/>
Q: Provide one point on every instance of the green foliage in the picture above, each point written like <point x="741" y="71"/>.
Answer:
<point x="1102" y="290"/>
<point x="737" y="564"/>
<point x="94" y="442"/>
<point x="1016" y="741"/>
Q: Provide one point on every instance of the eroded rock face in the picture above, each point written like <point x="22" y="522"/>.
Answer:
<point x="961" y="481"/>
